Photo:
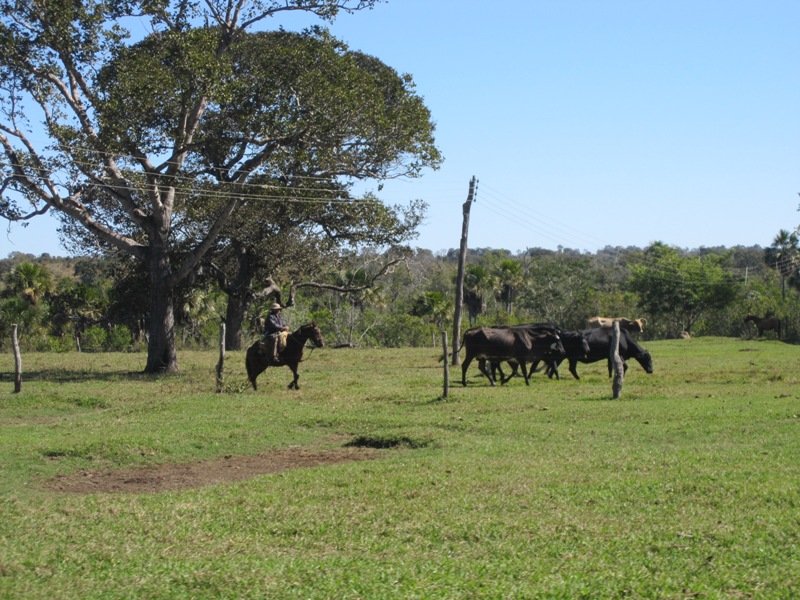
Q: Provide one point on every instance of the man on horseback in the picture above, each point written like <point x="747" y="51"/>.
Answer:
<point x="275" y="332"/>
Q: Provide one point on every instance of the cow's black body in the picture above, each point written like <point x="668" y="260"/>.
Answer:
<point x="496" y="344"/>
<point x="599" y="341"/>
<point x="575" y="346"/>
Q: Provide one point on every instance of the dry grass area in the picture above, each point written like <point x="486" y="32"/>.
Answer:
<point x="175" y="477"/>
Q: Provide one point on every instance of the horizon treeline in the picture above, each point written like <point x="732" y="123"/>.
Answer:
<point x="97" y="303"/>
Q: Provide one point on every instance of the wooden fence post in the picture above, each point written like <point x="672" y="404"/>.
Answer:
<point x="616" y="361"/>
<point x="221" y="362"/>
<point x="17" y="360"/>
<point x="446" y="366"/>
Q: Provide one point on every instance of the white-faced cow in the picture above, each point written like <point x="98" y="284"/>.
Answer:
<point x="600" y="349"/>
<point x="523" y="344"/>
<point x="633" y="325"/>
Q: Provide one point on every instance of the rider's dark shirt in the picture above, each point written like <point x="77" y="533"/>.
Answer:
<point x="274" y="323"/>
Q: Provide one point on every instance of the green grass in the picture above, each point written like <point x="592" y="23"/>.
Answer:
<point x="686" y="486"/>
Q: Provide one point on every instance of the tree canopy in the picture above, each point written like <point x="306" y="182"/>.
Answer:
<point x="138" y="134"/>
<point x="681" y="289"/>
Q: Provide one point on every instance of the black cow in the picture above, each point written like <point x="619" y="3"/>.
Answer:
<point x="523" y="344"/>
<point x="600" y="349"/>
<point x="575" y="346"/>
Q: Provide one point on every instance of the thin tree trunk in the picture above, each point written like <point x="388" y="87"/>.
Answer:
<point x="221" y="362"/>
<point x="446" y="367"/>
<point x="17" y="360"/>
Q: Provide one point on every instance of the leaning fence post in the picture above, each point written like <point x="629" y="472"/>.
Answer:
<point x="17" y="360"/>
<point x="221" y="362"/>
<point x="619" y="367"/>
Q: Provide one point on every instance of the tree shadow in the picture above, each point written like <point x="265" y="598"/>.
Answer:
<point x="79" y="375"/>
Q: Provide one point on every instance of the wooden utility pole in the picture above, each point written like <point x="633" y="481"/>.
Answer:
<point x="462" y="259"/>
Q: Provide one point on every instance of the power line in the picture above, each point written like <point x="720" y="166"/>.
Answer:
<point x="541" y="222"/>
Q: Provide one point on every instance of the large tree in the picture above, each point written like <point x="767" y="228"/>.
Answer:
<point x="136" y="130"/>
<point x="680" y="290"/>
<point x="367" y="123"/>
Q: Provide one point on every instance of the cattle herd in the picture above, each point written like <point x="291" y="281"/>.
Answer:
<point x="547" y="343"/>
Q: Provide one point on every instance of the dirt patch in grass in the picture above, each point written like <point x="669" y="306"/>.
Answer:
<point x="174" y="477"/>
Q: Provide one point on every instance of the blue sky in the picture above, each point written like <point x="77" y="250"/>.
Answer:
<point x="590" y="123"/>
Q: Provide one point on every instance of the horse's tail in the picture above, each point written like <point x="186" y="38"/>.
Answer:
<point x="455" y="350"/>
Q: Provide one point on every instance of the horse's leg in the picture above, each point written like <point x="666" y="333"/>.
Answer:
<point x="293" y="384"/>
<point x="254" y="363"/>
<point x="251" y="376"/>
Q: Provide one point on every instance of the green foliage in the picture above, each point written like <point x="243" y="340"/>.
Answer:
<point x="681" y="290"/>
<point x="401" y="330"/>
<point x="413" y="302"/>
<point x="557" y="290"/>
<point x="29" y="281"/>
<point x="60" y="344"/>
<point x="433" y="307"/>
<point x="118" y="339"/>
<point x="94" y="339"/>
<point x="146" y="132"/>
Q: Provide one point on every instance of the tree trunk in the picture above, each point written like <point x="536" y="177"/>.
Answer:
<point x="161" y="353"/>
<point x="238" y="289"/>
<point x="234" y="317"/>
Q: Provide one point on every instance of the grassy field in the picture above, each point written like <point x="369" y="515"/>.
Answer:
<point x="686" y="486"/>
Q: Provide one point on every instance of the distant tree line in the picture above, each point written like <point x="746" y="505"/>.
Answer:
<point x="367" y="298"/>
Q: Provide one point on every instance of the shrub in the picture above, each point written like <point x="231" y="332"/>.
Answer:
<point x="60" y="343"/>
<point x="93" y="339"/>
<point x="401" y="330"/>
<point x="118" y="339"/>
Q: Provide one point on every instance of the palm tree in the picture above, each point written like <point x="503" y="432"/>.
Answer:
<point x="783" y="255"/>
<point x="29" y="281"/>
<point x="509" y="274"/>
<point x="477" y="281"/>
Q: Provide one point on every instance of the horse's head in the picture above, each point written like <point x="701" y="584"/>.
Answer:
<point x="314" y="334"/>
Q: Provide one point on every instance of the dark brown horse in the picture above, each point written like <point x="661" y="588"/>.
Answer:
<point x="258" y="359"/>
<point x="765" y="324"/>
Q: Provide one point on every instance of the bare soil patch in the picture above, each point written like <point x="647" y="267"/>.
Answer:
<point x="174" y="477"/>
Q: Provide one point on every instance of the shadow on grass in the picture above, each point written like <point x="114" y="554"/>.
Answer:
<point x="72" y="376"/>
<point x="388" y="441"/>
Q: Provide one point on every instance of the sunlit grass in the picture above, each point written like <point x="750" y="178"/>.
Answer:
<point x="687" y="485"/>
